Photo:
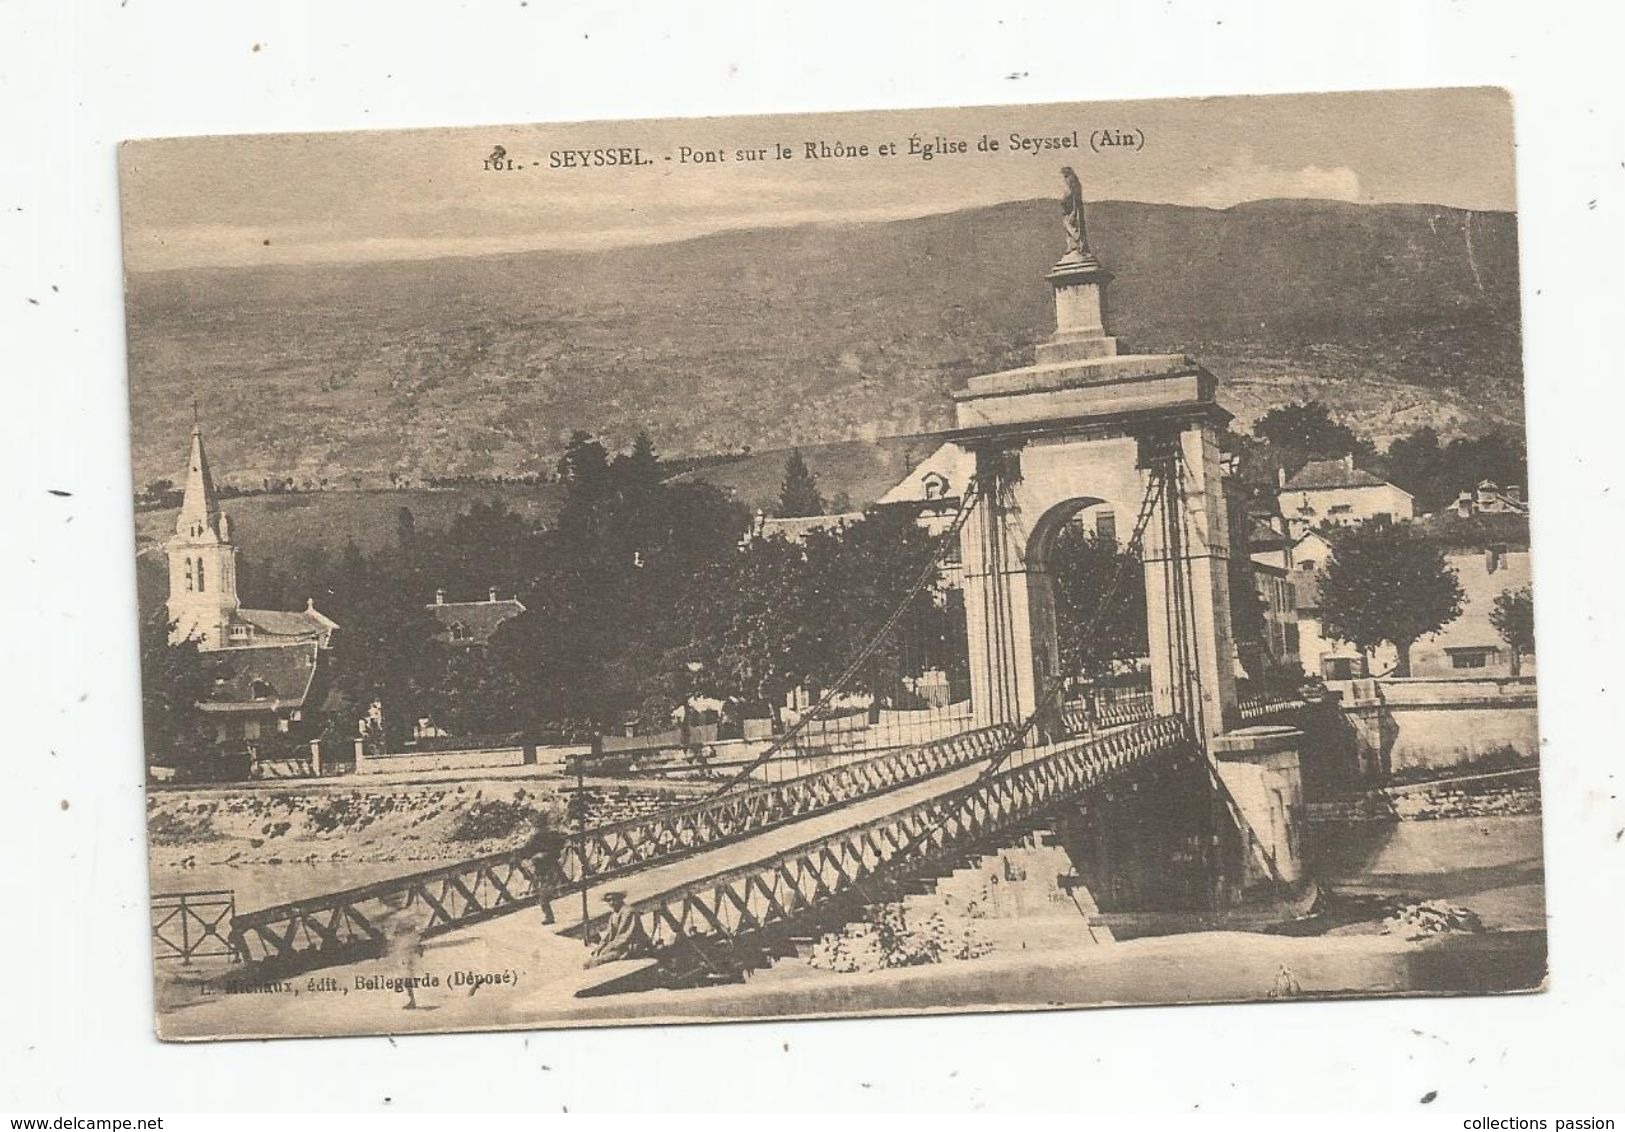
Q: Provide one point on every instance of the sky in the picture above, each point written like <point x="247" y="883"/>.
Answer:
<point x="412" y="194"/>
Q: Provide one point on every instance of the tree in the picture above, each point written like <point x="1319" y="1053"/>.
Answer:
<point x="1093" y="636"/>
<point x="638" y="470"/>
<point x="1307" y="428"/>
<point x="781" y="615"/>
<point x="1414" y="463"/>
<point x="383" y="650"/>
<point x="608" y="619"/>
<point x="1387" y="584"/>
<point x="798" y="494"/>
<point x="1436" y="473"/>
<point x="756" y="632"/>
<point x="487" y="545"/>
<point x="1513" y="616"/>
<point x="477" y="693"/>
<point x="860" y="575"/>
<point x="174" y="680"/>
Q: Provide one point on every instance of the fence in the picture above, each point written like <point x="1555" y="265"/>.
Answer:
<point x="193" y="925"/>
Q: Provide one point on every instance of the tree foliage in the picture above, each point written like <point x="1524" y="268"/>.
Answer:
<point x="1095" y="634"/>
<point x="1513" y="616"/>
<point x="798" y="494"/>
<point x="1387" y="584"/>
<point x="174" y="680"/>
<point x="781" y="615"/>
<point x="1307" y="428"/>
<point x="384" y="650"/>
<point x="1436" y="473"/>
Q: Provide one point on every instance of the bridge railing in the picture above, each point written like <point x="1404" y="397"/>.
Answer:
<point x="1087" y="717"/>
<point x="779" y="889"/>
<point x="342" y="926"/>
<point x="1259" y="707"/>
<point x="615" y="848"/>
<point x="193" y="925"/>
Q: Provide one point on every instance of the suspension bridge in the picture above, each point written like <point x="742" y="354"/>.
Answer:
<point x="718" y="883"/>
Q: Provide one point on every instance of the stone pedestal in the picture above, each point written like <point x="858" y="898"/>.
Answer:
<point x="1259" y="769"/>
<point x="1080" y="323"/>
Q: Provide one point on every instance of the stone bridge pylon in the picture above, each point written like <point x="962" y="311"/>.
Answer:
<point x="1084" y="426"/>
<point x="1090" y="426"/>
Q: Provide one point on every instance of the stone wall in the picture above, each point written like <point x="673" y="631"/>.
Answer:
<point x="552" y="759"/>
<point x="1426" y="724"/>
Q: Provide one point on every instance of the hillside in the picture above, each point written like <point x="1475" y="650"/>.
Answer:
<point x="1396" y="315"/>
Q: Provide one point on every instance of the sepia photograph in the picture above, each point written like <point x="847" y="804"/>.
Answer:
<point x="902" y="562"/>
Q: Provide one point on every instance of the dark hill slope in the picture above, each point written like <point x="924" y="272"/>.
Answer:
<point x="1397" y="314"/>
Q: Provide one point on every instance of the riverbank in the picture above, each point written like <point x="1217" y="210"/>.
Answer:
<point x="290" y="840"/>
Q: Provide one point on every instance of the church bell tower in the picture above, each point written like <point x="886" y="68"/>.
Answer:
<point x="202" y="560"/>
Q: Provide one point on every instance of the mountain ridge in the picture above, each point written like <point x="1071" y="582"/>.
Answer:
<point x="483" y="365"/>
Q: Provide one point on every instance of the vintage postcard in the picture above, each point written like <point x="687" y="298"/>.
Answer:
<point x="876" y="563"/>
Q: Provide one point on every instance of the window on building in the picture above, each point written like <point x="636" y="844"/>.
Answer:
<point x="1106" y="527"/>
<point x="200" y="586"/>
<point x="459" y="631"/>
<point x="241" y="633"/>
<point x="262" y="690"/>
<point x="1340" y="509"/>
<point x="1337" y="667"/>
<point x="1292" y="636"/>
<point x="1306" y="564"/>
<point x="1383" y="518"/>
<point x="1471" y="658"/>
<point x="189" y="584"/>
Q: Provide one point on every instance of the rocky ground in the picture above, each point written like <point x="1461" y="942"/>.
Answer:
<point x="326" y="822"/>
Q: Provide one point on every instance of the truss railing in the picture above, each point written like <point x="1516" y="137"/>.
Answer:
<point x="1259" y="707"/>
<point x="192" y="925"/>
<point x="627" y="845"/>
<point x="1088" y="718"/>
<point x="723" y="908"/>
<point x="343" y="926"/>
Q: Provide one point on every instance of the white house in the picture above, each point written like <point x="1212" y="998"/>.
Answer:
<point x="1470" y="645"/>
<point x="1336" y="492"/>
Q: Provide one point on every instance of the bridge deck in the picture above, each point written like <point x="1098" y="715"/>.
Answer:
<point x="644" y="860"/>
<point x="779" y="839"/>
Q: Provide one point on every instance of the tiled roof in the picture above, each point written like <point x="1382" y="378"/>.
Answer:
<point x="479" y="619"/>
<point x="262" y="678"/>
<point x="798" y="528"/>
<point x="305" y="623"/>
<point x="1261" y="535"/>
<point x="1317" y="474"/>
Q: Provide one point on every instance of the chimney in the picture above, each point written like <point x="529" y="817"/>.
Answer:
<point x="1280" y="476"/>
<point x="492" y="594"/>
<point x="1348" y="464"/>
<point x="440" y="597"/>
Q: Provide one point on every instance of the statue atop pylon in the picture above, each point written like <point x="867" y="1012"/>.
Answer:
<point x="1077" y="236"/>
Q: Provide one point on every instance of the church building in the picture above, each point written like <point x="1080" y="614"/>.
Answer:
<point x="269" y="662"/>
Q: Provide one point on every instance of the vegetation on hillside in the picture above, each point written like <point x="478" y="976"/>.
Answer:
<point x="426" y="371"/>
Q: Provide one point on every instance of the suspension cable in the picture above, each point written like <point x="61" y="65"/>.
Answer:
<point x="927" y="576"/>
<point x="1130" y="556"/>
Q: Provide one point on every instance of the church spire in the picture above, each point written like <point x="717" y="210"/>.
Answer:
<point x="200" y="509"/>
<point x="202" y="559"/>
